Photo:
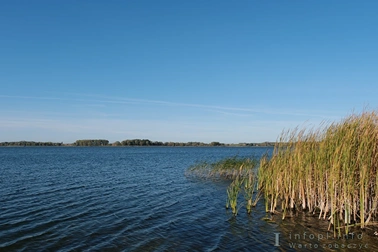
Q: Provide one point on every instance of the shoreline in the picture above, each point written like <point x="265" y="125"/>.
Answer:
<point x="110" y="146"/>
<point x="130" y="143"/>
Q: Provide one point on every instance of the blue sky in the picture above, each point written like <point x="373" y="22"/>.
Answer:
<point x="228" y="71"/>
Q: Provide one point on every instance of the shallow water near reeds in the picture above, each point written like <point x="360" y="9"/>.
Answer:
<point x="138" y="199"/>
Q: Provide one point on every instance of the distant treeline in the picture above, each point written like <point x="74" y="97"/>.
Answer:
<point x="146" y="142"/>
<point x="30" y="143"/>
<point x="90" y="142"/>
<point x="132" y="142"/>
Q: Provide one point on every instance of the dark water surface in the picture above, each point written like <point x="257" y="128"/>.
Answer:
<point x="138" y="199"/>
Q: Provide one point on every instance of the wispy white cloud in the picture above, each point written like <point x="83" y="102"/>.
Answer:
<point x="101" y="99"/>
<point x="89" y="105"/>
<point x="225" y="112"/>
<point x="33" y="97"/>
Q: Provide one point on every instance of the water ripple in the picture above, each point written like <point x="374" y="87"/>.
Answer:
<point x="123" y="199"/>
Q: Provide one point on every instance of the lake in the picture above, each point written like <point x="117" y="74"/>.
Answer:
<point x="139" y="199"/>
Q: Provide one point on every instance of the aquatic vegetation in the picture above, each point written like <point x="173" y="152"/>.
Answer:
<point x="331" y="172"/>
<point x="233" y="193"/>
<point x="250" y="190"/>
<point x="242" y="171"/>
<point x="247" y="184"/>
<point x="228" y="168"/>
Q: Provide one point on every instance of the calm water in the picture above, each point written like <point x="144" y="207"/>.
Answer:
<point x="138" y="199"/>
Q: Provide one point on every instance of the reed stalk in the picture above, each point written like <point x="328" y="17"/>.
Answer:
<point x="250" y="195"/>
<point x="233" y="193"/>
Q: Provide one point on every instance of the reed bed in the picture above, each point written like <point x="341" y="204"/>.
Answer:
<point x="228" y="168"/>
<point x="330" y="171"/>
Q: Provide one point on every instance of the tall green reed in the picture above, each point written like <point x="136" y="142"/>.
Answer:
<point x="233" y="194"/>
